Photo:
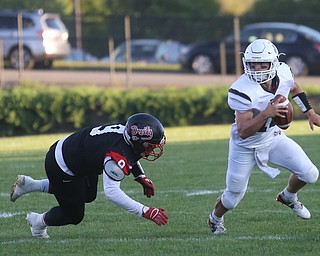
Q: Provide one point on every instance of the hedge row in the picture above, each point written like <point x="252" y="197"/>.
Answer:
<point x="30" y="109"/>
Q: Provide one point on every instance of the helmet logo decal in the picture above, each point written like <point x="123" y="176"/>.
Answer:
<point x="146" y="131"/>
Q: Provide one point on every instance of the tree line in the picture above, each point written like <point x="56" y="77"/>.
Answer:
<point x="181" y="20"/>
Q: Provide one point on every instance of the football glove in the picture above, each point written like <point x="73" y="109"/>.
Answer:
<point x="157" y="215"/>
<point x="147" y="185"/>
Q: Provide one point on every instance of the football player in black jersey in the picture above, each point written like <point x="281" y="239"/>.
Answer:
<point x="74" y="163"/>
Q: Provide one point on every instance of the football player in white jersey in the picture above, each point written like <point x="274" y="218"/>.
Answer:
<point x="256" y="140"/>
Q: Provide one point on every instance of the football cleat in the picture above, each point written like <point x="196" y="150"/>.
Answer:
<point x="37" y="226"/>
<point x="22" y="185"/>
<point x="297" y="207"/>
<point x="216" y="227"/>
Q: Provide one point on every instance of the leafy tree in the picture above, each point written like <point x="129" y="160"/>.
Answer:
<point x="119" y="7"/>
<point x="162" y="7"/>
<point x="32" y="5"/>
<point x="235" y="7"/>
<point x="286" y="7"/>
<point x="296" y="11"/>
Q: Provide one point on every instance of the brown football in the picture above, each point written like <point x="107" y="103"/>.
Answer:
<point x="284" y="123"/>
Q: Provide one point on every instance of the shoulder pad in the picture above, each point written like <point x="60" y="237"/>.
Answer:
<point x="113" y="170"/>
<point x="120" y="160"/>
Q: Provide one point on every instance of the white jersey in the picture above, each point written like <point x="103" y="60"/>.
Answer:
<point x="245" y="95"/>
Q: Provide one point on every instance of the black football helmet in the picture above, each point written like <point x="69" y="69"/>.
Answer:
<point x="145" y="134"/>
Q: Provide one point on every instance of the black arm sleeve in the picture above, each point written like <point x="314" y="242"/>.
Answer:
<point x="137" y="170"/>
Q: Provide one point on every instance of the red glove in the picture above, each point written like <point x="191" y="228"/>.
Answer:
<point x="157" y="215"/>
<point x="147" y="184"/>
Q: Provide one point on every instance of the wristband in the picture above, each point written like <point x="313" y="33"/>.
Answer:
<point x="302" y="101"/>
<point x="140" y="176"/>
<point x="145" y="209"/>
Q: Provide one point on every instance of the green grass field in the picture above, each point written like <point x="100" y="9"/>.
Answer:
<point x="188" y="179"/>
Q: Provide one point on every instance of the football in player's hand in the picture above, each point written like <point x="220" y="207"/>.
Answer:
<point x="285" y="122"/>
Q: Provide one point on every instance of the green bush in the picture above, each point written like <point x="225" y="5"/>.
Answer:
<point x="29" y="109"/>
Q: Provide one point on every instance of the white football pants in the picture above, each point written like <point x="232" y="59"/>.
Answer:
<point x="283" y="152"/>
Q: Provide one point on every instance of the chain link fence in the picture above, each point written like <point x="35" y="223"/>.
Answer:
<point x="96" y="31"/>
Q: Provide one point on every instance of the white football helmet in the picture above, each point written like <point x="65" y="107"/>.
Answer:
<point x="261" y="50"/>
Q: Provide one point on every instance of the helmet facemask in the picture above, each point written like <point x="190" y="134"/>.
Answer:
<point x="153" y="151"/>
<point x="261" y="51"/>
<point x="260" y="76"/>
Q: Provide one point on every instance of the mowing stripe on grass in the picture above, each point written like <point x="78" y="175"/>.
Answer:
<point x="161" y="239"/>
<point x="189" y="193"/>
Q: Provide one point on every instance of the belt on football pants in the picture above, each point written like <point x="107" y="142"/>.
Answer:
<point x="59" y="158"/>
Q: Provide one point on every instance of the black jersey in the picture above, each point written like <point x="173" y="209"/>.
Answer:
<point x="85" y="150"/>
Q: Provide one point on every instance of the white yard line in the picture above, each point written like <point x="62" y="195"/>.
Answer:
<point x="10" y="214"/>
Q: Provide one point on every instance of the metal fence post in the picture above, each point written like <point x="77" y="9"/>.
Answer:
<point x="128" y="50"/>
<point x="223" y="61"/>
<point x="1" y="65"/>
<point x="237" y="56"/>
<point x="20" y="43"/>
<point x="77" y="11"/>
<point x="111" y="61"/>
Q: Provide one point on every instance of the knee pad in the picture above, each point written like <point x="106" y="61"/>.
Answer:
<point x="311" y="176"/>
<point x="231" y="199"/>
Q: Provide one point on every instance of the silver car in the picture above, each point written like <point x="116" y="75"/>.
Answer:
<point x="45" y="38"/>
<point x="149" y="51"/>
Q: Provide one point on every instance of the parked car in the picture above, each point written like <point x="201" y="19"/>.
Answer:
<point x="301" y="45"/>
<point x="149" y="51"/>
<point x="80" y="55"/>
<point x="45" y="38"/>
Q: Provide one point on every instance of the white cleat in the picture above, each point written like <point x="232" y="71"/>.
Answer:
<point x="297" y="207"/>
<point x="37" y="226"/>
<point x="22" y="185"/>
<point x="216" y="227"/>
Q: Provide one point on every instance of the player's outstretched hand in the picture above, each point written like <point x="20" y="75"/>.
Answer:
<point x="314" y="119"/>
<point x="148" y="188"/>
<point x="157" y="215"/>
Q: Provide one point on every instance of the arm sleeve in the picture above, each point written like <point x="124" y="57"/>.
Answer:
<point x="114" y="194"/>
<point x="137" y="170"/>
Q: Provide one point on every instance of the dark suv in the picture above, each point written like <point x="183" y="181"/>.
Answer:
<point x="45" y="38"/>
<point x="301" y="45"/>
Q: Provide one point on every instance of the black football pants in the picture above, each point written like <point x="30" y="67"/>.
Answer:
<point x="71" y="192"/>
